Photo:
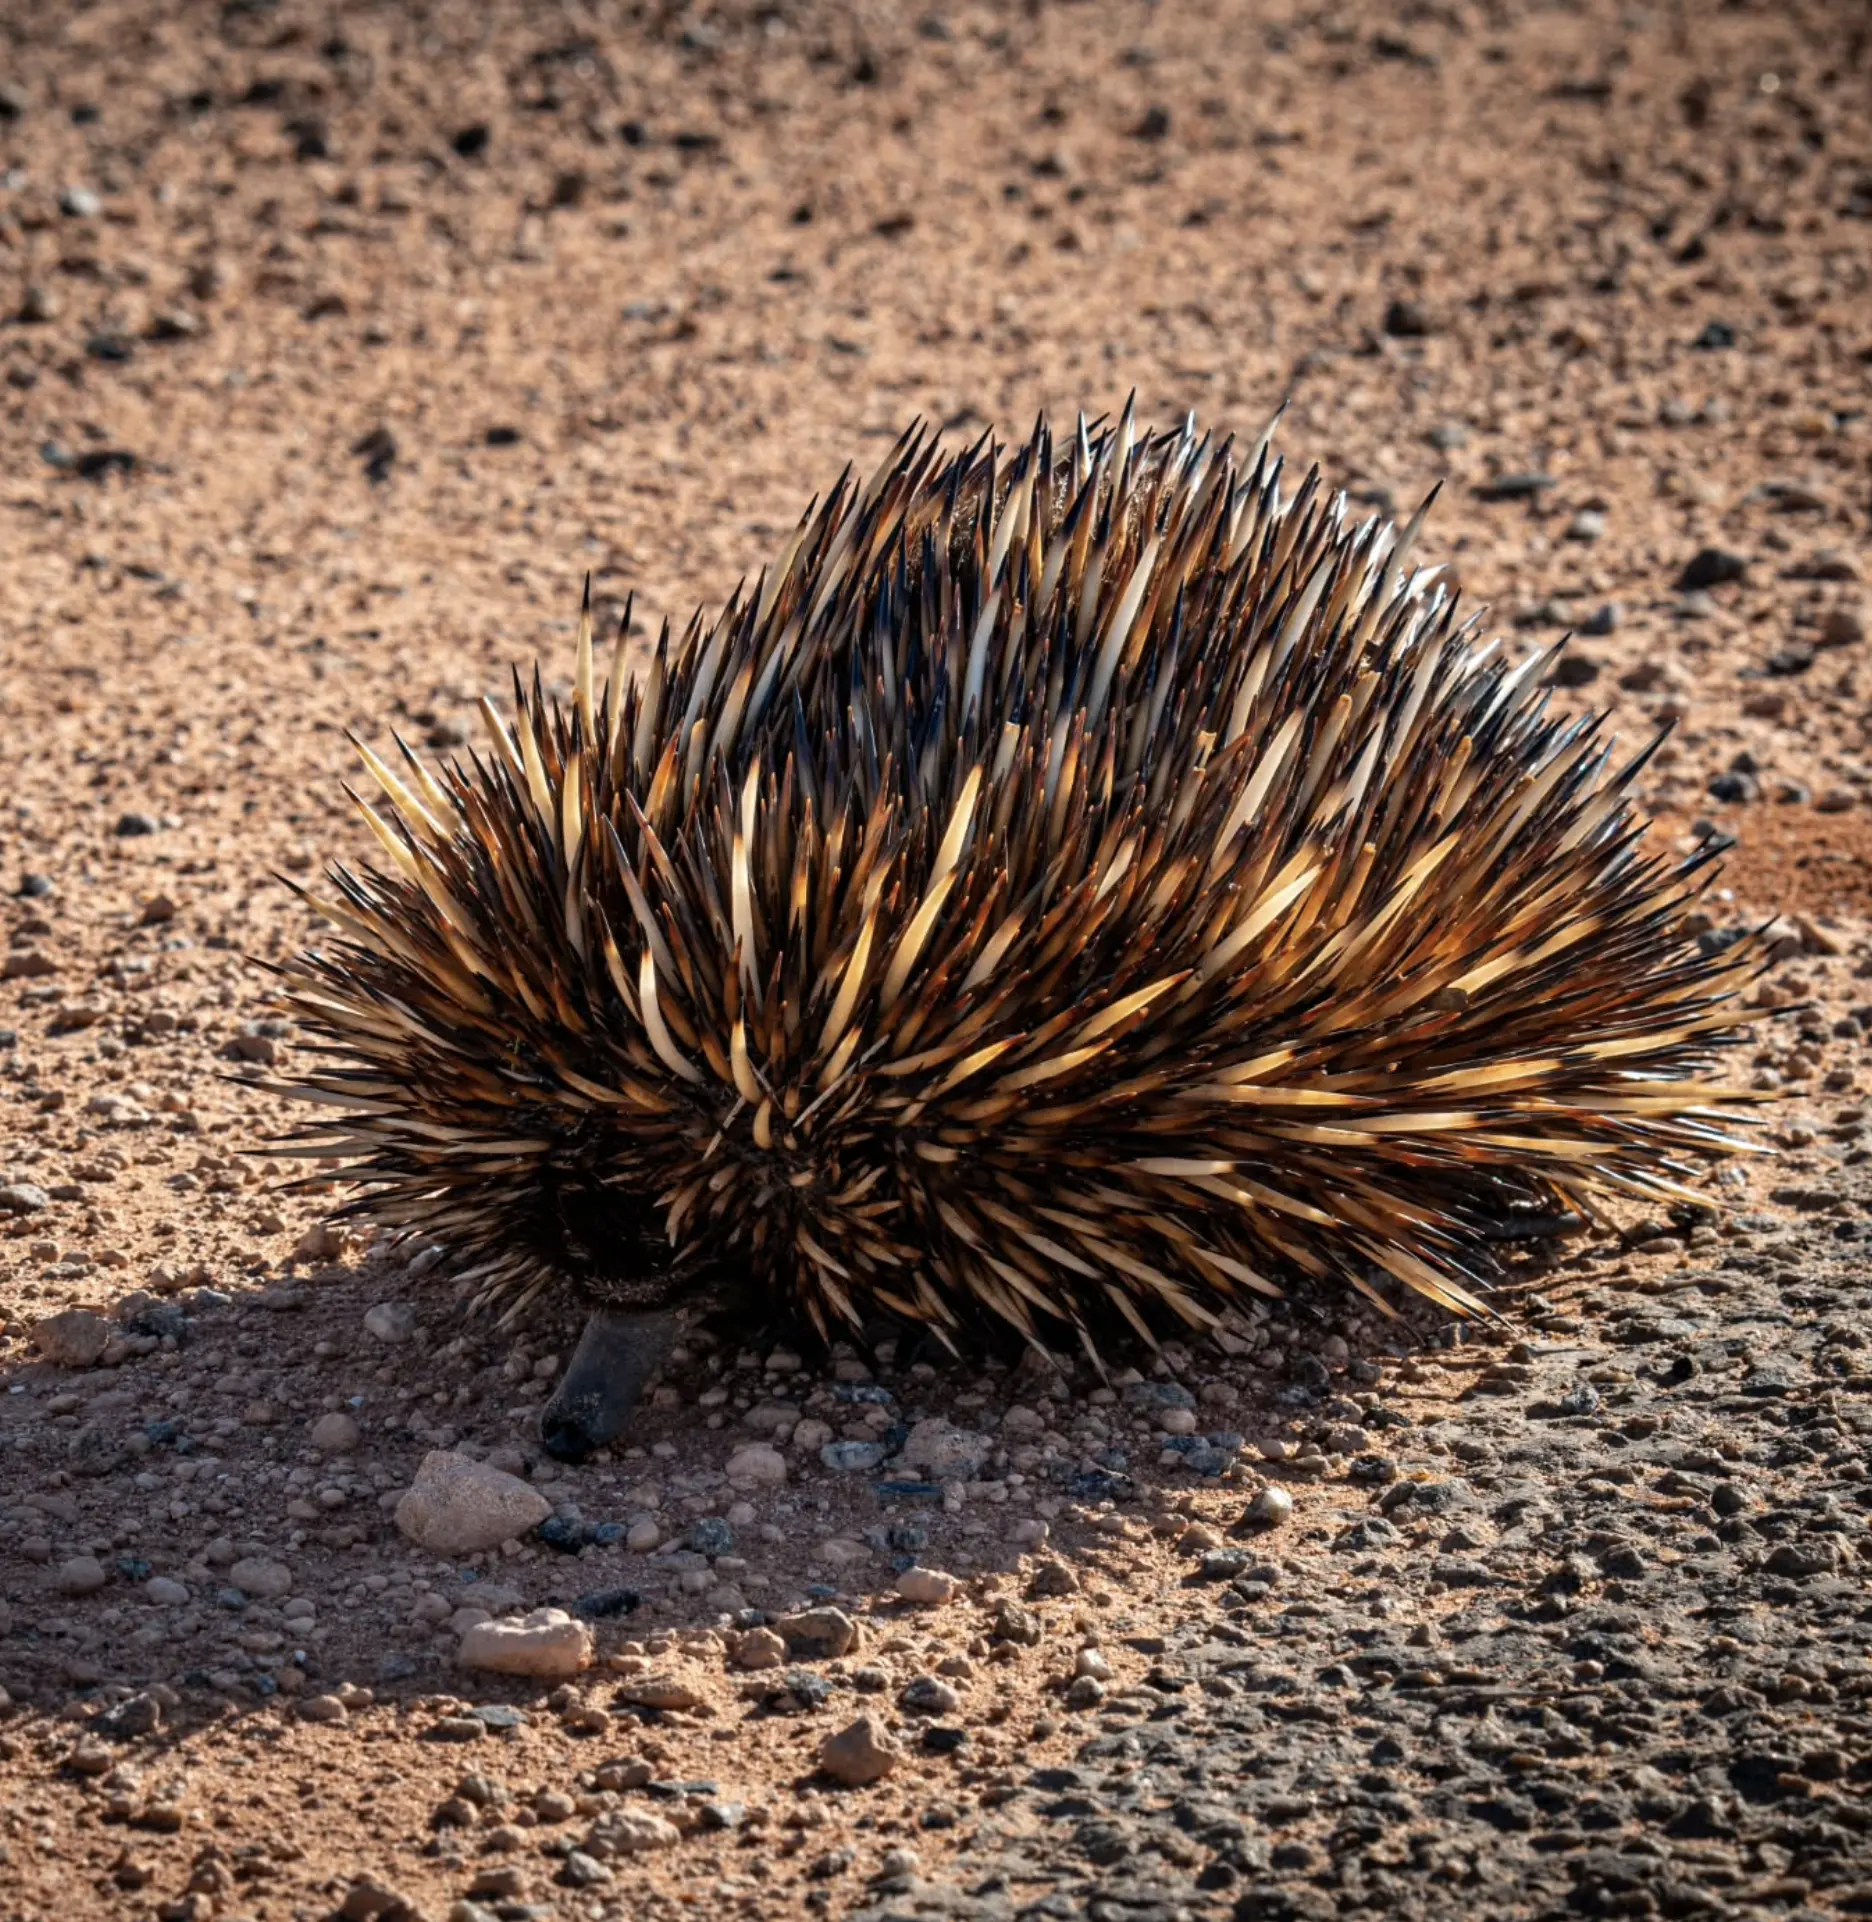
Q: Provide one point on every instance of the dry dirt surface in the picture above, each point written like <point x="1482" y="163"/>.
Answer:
<point x="339" y="343"/>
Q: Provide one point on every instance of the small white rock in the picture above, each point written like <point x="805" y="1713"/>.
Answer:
<point x="926" y="1585"/>
<point x="1177" y="1421"/>
<point x="757" y="1466"/>
<point x="548" y="1643"/>
<point x="633" y="1832"/>
<point x="457" y="1506"/>
<point x="1270" y="1508"/>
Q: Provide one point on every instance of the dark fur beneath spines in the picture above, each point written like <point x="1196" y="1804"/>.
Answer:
<point x="1079" y="874"/>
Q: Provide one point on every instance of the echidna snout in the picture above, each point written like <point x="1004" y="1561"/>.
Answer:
<point x="616" y="1355"/>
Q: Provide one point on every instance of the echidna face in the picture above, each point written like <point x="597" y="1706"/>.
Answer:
<point x="1080" y="875"/>
<point x="608" y="1244"/>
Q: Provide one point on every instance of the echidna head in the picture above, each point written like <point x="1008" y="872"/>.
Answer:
<point x="609" y="1244"/>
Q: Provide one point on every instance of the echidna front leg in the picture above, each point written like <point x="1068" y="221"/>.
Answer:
<point x="616" y="1355"/>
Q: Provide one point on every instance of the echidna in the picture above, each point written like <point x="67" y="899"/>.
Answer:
<point x="1080" y="876"/>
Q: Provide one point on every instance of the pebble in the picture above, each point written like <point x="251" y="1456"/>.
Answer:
<point x="1269" y="1508"/>
<point x="928" y="1696"/>
<point x="80" y="203"/>
<point x="1842" y="627"/>
<point x="334" y="1434"/>
<point x="264" y="1580"/>
<point x="930" y="1587"/>
<point x="851" y="1457"/>
<point x="367" y="1901"/>
<point x="322" y="1708"/>
<point x="1013" y="1623"/>
<point x="22" y="1198"/>
<point x="81" y="1575"/>
<point x="817" y="1634"/>
<point x="631" y="1832"/>
<point x="945" y="1452"/>
<point x="860" y="1753"/>
<point x="166" y="1593"/>
<point x="759" y="1465"/>
<point x="759" y="1648"/>
<point x="391" y="1321"/>
<point x="659" y="1692"/>
<point x="548" y="1642"/>
<point x="75" y="1339"/>
<point x="1711" y="567"/>
<point x="457" y="1506"/>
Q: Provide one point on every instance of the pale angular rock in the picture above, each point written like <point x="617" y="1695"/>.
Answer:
<point x="75" y="1339"/>
<point x="457" y="1506"/>
<point x="929" y="1586"/>
<point x="860" y="1753"/>
<point x="759" y="1648"/>
<point x="817" y="1634"/>
<point x="659" y="1691"/>
<point x="757" y="1466"/>
<point x="633" y="1832"/>
<point x="547" y="1642"/>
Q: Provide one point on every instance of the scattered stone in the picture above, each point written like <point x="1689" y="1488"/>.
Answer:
<point x="166" y="1593"/>
<point x="817" y="1634"/>
<point x="457" y="1506"/>
<point x="267" y="1581"/>
<point x="759" y="1648"/>
<point x="139" y="1714"/>
<point x="75" y="1339"/>
<point x="391" y="1321"/>
<point x="1013" y="1623"/>
<point x="322" y="1708"/>
<point x="371" y="1901"/>
<point x="630" y="1832"/>
<point x="1269" y="1508"/>
<point x="546" y="1642"/>
<point x="860" y="1753"/>
<point x="81" y="1575"/>
<point x="927" y="1695"/>
<point x="334" y="1434"/>
<point x="929" y="1587"/>
<point x="1711" y="567"/>
<point x="659" y="1692"/>
<point x="1842" y="627"/>
<point x="945" y="1452"/>
<point x="759" y="1465"/>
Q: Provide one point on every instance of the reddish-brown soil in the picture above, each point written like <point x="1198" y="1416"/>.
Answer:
<point x="340" y="343"/>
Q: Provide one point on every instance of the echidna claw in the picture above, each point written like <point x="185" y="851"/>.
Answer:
<point x="616" y="1355"/>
